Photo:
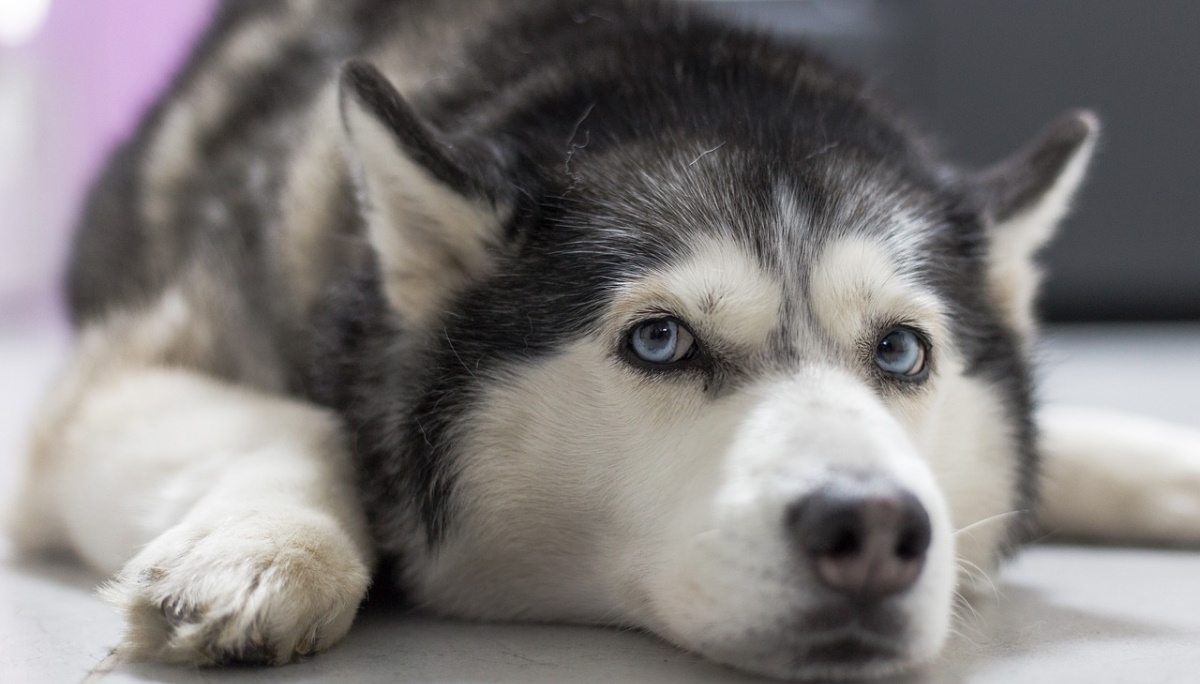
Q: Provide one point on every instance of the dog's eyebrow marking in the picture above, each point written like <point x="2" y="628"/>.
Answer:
<point x="707" y="152"/>
<point x="718" y="288"/>
<point x="856" y="282"/>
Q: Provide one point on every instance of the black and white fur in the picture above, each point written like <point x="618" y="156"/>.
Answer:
<point x="358" y="297"/>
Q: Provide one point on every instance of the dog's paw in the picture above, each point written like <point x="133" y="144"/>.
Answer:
<point x="259" y="589"/>
<point x="1171" y="495"/>
<point x="1114" y="476"/>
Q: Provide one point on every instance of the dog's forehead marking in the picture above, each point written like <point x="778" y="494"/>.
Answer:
<point x="856" y="281"/>
<point x="717" y="286"/>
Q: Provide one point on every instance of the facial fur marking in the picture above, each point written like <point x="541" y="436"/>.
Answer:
<point x="718" y="289"/>
<point x="856" y="284"/>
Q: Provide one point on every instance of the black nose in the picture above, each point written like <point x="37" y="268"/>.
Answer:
<point x="865" y="539"/>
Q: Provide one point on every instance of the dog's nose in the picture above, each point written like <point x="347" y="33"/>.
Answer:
<point x="865" y="540"/>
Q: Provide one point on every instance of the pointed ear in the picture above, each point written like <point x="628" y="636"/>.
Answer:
<point x="1024" y="198"/>
<point x="433" y="210"/>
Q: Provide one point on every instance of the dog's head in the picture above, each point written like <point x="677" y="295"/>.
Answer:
<point x="721" y="352"/>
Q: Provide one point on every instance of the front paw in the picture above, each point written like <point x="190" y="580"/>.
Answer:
<point x="261" y="588"/>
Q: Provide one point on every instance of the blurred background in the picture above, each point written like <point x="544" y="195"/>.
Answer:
<point x="76" y="74"/>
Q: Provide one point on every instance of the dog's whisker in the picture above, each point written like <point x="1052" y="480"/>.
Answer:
<point x="961" y="603"/>
<point x="990" y="519"/>
<point x="976" y="573"/>
<point x="957" y="618"/>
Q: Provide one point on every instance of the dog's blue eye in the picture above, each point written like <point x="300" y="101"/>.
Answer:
<point x="901" y="352"/>
<point x="661" y="341"/>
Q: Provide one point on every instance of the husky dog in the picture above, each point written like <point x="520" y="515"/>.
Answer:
<point x="588" y="311"/>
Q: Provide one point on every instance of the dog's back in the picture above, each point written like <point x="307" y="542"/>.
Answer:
<point x="232" y="196"/>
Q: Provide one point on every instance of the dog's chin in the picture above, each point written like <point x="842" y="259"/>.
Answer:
<point x="847" y="655"/>
<point x="821" y="642"/>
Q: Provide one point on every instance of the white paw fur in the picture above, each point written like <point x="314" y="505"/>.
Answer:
<point x="265" y="587"/>
<point x="1114" y="476"/>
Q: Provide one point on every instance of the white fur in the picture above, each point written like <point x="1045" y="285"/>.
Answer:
<point x="239" y="506"/>
<point x="586" y="490"/>
<point x="726" y="568"/>
<point x="718" y="288"/>
<point x="966" y="436"/>
<point x="1109" y="475"/>
<point x="856" y="283"/>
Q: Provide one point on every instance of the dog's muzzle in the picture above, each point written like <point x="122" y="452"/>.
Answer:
<point x="824" y="548"/>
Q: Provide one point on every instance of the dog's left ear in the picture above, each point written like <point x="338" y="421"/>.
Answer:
<point x="433" y="207"/>
<point x="1024" y="198"/>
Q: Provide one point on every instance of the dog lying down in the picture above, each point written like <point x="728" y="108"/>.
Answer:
<point x="572" y="311"/>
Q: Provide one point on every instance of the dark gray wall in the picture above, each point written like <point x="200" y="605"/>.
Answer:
<point x="985" y="75"/>
<point x="1132" y="249"/>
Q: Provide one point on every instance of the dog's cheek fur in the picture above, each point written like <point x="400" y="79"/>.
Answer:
<point x="584" y="499"/>
<point x="554" y="511"/>
<point x="969" y="439"/>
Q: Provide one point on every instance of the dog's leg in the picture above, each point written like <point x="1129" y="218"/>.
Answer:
<point x="237" y="507"/>
<point x="1113" y="476"/>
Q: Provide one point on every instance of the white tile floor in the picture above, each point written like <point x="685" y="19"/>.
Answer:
<point x="1062" y="614"/>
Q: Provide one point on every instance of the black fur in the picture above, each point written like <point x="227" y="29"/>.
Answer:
<point x="1020" y="181"/>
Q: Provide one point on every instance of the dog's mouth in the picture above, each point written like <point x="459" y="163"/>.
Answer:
<point x="849" y="639"/>
<point x="865" y="642"/>
<point x="857" y="651"/>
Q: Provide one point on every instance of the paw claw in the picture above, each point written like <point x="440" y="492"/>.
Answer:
<point x="178" y="613"/>
<point x="307" y="646"/>
<point x="253" y="654"/>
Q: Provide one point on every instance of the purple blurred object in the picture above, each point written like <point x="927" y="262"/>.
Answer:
<point x="68" y="95"/>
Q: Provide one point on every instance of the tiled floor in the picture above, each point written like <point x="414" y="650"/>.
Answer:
<point x="1061" y="614"/>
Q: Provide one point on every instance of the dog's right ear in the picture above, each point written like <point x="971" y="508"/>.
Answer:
<point x="432" y="210"/>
